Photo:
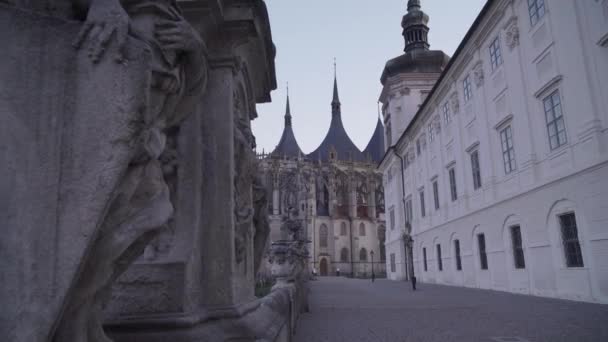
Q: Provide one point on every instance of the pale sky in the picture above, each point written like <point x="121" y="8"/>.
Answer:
<point x="362" y="35"/>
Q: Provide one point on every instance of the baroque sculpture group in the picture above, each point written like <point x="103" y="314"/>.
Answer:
<point x="131" y="206"/>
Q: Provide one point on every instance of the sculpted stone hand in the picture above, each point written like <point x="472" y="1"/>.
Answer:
<point x="105" y="19"/>
<point x="178" y="35"/>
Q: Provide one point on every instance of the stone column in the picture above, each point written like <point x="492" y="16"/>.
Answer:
<point x="218" y="255"/>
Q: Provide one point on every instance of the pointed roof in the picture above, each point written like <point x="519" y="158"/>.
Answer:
<point x="337" y="140"/>
<point x="375" y="147"/>
<point x="288" y="145"/>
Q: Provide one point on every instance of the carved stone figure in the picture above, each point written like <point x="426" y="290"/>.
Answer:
<point x="260" y="221"/>
<point x="142" y="206"/>
<point x="512" y="34"/>
<point x="478" y="75"/>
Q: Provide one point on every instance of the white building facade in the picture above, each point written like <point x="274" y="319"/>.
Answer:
<point x="502" y="173"/>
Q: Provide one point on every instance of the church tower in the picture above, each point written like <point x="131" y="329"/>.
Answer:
<point x="407" y="79"/>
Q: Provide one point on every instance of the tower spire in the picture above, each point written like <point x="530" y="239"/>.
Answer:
<point x="415" y="29"/>
<point x="287" y="110"/>
<point x="335" y="103"/>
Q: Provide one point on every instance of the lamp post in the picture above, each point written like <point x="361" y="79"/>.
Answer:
<point x="373" y="275"/>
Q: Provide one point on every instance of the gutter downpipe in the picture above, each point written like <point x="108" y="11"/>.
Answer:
<point x="407" y="271"/>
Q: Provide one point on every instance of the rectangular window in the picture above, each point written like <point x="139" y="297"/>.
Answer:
<point x="409" y="215"/>
<point x="424" y="259"/>
<point x="431" y="132"/>
<point x="418" y="147"/>
<point x="453" y="190"/>
<point x="518" y="248"/>
<point x="476" y="170"/>
<point x="483" y="257"/>
<point x="468" y="91"/>
<point x="393" y="263"/>
<point x="439" y="260"/>
<point x="422" y="208"/>
<point x="555" y="120"/>
<point x="508" y="152"/>
<point x="536" y="9"/>
<point x="447" y="118"/>
<point x="391" y="214"/>
<point x="495" y="54"/>
<point x="572" y="246"/>
<point x="458" y="259"/>
<point x="436" y="194"/>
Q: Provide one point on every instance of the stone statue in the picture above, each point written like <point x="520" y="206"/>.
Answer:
<point x="260" y="221"/>
<point x="142" y="204"/>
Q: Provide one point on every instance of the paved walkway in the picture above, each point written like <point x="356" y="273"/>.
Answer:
<point x="356" y="310"/>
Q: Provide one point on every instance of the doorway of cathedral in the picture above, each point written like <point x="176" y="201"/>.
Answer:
<point x="323" y="267"/>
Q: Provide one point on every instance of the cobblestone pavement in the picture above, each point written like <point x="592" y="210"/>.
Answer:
<point x="358" y="310"/>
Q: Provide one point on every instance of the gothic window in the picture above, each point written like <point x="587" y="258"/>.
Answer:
<point x="362" y="230"/>
<point x="343" y="231"/>
<point x="418" y="146"/>
<point x="391" y="215"/>
<point x="382" y="240"/>
<point x="518" y="249"/>
<point x="495" y="54"/>
<point x="379" y="200"/>
<point x="431" y="132"/>
<point x="439" y="259"/>
<point x="483" y="257"/>
<point x="457" y="252"/>
<point x="508" y="152"/>
<point x="363" y="254"/>
<point x="323" y="236"/>
<point x="322" y="194"/>
<point x="362" y="199"/>
<point x="344" y="255"/>
<point x="424" y="259"/>
<point x="555" y="120"/>
<point x="536" y="9"/>
<point x="572" y="246"/>
<point x="393" y="263"/>
<point x="453" y="190"/>
<point x="476" y="170"/>
<point x="409" y="214"/>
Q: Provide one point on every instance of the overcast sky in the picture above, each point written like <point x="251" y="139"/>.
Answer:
<point x="362" y="35"/>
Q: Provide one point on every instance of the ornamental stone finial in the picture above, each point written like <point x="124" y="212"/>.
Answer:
<point x="413" y="4"/>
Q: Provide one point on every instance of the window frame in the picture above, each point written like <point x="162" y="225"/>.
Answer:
<point x="457" y="255"/>
<point x="363" y="252"/>
<point x="439" y="258"/>
<point x="467" y="88"/>
<point x="571" y="243"/>
<point x="344" y="256"/>
<point x="426" y="266"/>
<point x="362" y="229"/>
<point x="323" y="236"/>
<point x="508" y="149"/>
<point x="422" y="204"/>
<point x="517" y="246"/>
<point x="447" y="116"/>
<point x="483" y="254"/>
<point x="496" y="59"/>
<point x="536" y="11"/>
<point x="391" y="216"/>
<point x="431" y="132"/>
<point x="393" y="262"/>
<point x="409" y="211"/>
<point x="476" y="170"/>
<point x="436" y="194"/>
<point x="453" y="186"/>
<point x="555" y="120"/>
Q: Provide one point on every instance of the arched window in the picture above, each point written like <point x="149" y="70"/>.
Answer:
<point x="362" y="229"/>
<point x="363" y="254"/>
<point x="344" y="255"/>
<point x="323" y="236"/>
<point x="343" y="229"/>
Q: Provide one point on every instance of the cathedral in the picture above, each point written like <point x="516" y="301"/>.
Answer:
<point x="337" y="190"/>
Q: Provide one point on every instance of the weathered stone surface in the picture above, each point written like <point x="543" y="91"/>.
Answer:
<point x="67" y="133"/>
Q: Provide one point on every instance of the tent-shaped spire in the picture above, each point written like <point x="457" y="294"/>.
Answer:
<point x="375" y="148"/>
<point x="288" y="145"/>
<point x="337" y="144"/>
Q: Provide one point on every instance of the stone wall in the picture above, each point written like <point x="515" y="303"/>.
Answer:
<point x="130" y="196"/>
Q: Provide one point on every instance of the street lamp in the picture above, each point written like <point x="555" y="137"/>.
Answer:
<point x="373" y="275"/>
